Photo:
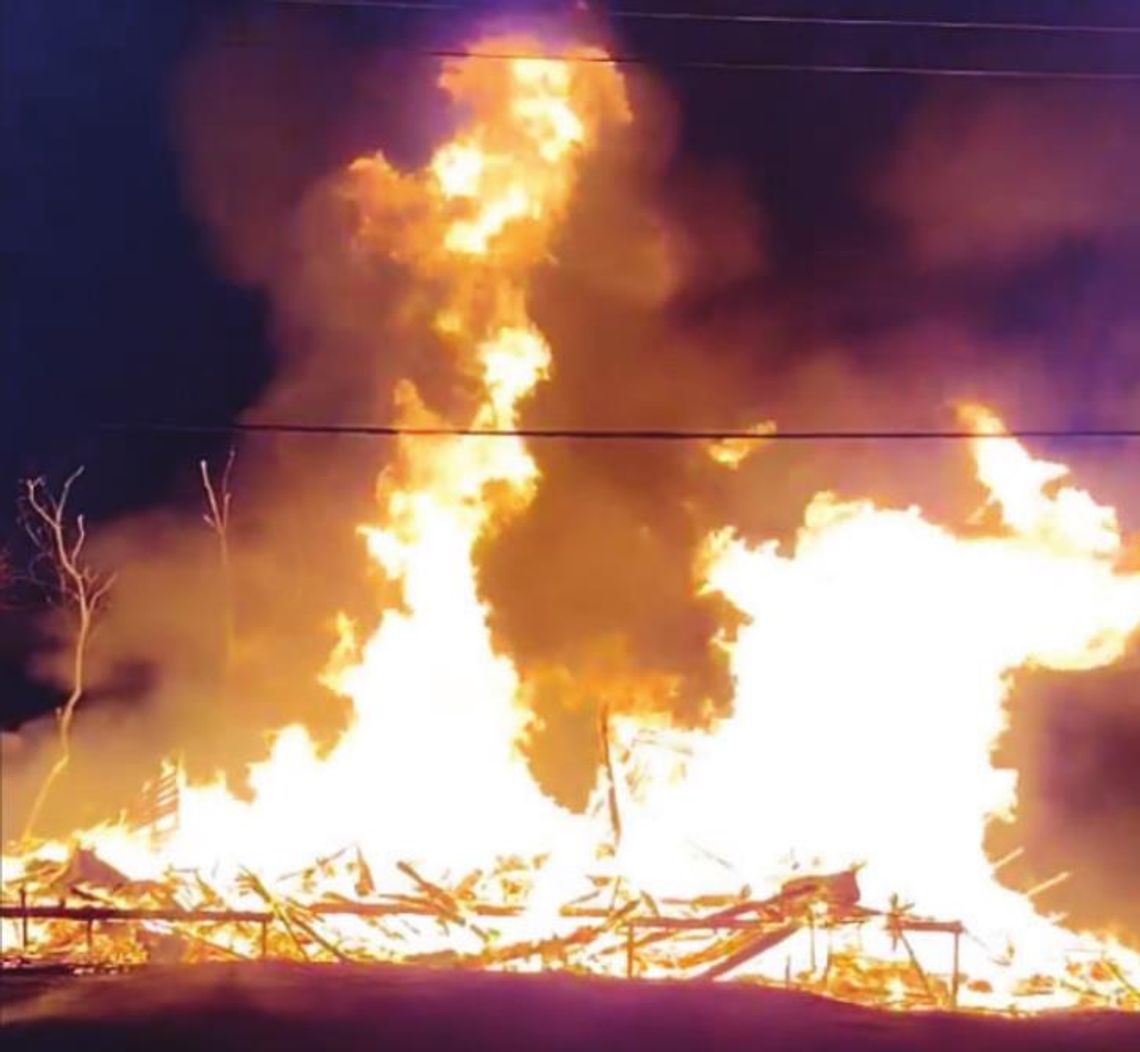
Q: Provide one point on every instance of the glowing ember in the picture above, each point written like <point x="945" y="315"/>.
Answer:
<point x="871" y="675"/>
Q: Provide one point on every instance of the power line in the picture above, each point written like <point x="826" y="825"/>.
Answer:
<point x="636" y="14"/>
<point x="745" y="66"/>
<point x="615" y="434"/>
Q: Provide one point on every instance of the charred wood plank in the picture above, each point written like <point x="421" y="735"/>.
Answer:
<point x="752" y="948"/>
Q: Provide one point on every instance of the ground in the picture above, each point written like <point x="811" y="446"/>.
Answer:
<point x="282" y="1007"/>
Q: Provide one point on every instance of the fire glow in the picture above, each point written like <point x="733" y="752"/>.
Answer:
<point x="845" y="772"/>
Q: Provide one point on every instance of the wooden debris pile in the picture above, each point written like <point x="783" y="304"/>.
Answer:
<point x="82" y="913"/>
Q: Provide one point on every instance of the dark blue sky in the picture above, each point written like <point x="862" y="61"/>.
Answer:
<point x="113" y="310"/>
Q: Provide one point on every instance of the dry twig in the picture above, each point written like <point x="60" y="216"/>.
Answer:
<point x="78" y="586"/>
<point x="219" y="497"/>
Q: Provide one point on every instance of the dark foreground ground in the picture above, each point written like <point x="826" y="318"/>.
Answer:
<point x="285" y="1007"/>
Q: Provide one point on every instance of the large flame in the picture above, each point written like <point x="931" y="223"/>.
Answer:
<point x="870" y="687"/>
<point x="871" y="673"/>
<point x="430" y="765"/>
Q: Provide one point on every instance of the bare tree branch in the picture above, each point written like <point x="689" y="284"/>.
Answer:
<point x="76" y="585"/>
<point x="219" y="496"/>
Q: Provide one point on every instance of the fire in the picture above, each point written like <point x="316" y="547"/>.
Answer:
<point x="732" y="452"/>
<point x="871" y="678"/>
<point x="435" y="720"/>
<point x="1071" y="519"/>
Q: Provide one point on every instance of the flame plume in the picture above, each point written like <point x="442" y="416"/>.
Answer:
<point x="435" y="720"/>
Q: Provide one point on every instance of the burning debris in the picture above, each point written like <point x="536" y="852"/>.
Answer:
<point x="83" y="913"/>
<point x="859" y="758"/>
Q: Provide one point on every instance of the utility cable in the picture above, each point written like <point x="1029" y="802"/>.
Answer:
<point x="747" y="18"/>
<point x="617" y="434"/>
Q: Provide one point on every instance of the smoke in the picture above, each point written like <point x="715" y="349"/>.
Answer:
<point x="1074" y="740"/>
<point x="264" y="132"/>
<point x="1007" y="176"/>
<point x="1018" y="208"/>
<point x="200" y="655"/>
<point x="593" y="590"/>
<point x="665" y="309"/>
<point x="1018" y="205"/>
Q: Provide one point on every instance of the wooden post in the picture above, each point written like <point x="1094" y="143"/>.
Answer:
<point x="917" y="966"/>
<point x="24" y="918"/>
<point x="264" y="938"/>
<point x="811" y="933"/>
<point x="629" y="951"/>
<point x="957" y="974"/>
<point x="608" y="764"/>
<point x="90" y="934"/>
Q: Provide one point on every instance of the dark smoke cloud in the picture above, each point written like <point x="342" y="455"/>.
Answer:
<point x="1075" y="740"/>
<point x="1001" y="177"/>
<point x="592" y="590"/>
<point x="1020" y="214"/>
<point x="1002" y="268"/>
<point x="264" y="110"/>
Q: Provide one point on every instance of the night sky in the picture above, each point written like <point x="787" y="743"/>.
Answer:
<point x="120" y="308"/>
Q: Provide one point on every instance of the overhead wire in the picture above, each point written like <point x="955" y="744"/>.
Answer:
<point x="614" y="434"/>
<point x="748" y="66"/>
<point x="758" y="18"/>
<point x="760" y="66"/>
<point x="702" y="435"/>
<point x="757" y="66"/>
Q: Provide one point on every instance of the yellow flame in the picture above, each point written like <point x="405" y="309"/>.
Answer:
<point x="732" y="452"/>
<point x="1069" y="519"/>
<point x="870" y="684"/>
